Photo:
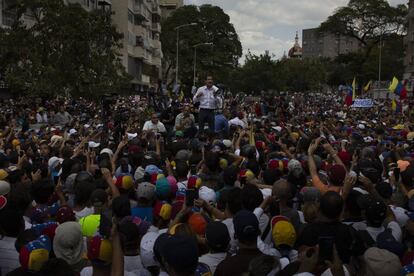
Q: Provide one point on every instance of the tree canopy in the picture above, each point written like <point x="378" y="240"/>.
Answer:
<point x="65" y="50"/>
<point x="213" y="26"/>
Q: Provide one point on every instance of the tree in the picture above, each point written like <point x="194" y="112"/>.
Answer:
<point x="66" y="51"/>
<point x="368" y="21"/>
<point x="213" y="25"/>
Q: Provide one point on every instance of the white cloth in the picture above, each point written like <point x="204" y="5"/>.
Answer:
<point x="207" y="100"/>
<point x="400" y="215"/>
<point x="233" y="242"/>
<point x="9" y="258"/>
<point x="395" y="230"/>
<point x="212" y="260"/>
<point x="149" y="126"/>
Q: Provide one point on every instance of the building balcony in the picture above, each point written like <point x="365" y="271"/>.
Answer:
<point x="156" y="61"/>
<point x="156" y="27"/>
<point x="156" y="9"/>
<point x="136" y="51"/>
<point x="156" y="44"/>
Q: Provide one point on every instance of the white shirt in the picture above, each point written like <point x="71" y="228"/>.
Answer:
<point x="149" y="126"/>
<point x="212" y="260"/>
<point x="395" y="230"/>
<point x="41" y="118"/>
<point x="233" y="242"/>
<point x="207" y="100"/>
<point x="9" y="258"/>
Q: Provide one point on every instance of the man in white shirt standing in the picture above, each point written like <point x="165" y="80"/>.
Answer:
<point x="154" y="125"/>
<point x="208" y="103"/>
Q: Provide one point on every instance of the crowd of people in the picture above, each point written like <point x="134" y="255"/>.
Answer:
<point x="286" y="184"/>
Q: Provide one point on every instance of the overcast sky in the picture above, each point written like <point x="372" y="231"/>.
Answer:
<point x="272" y="24"/>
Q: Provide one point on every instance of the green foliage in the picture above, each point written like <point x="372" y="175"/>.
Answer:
<point x="368" y="21"/>
<point x="66" y="51"/>
<point x="213" y="25"/>
<point x="262" y="73"/>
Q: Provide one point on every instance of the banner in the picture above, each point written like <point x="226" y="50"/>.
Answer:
<point x="363" y="103"/>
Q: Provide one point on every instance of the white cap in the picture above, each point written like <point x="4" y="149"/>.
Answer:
<point x="86" y="126"/>
<point x="132" y="135"/>
<point x="108" y="151"/>
<point x="73" y="131"/>
<point x="207" y="194"/>
<point x="93" y="144"/>
<point x="227" y="143"/>
<point x="56" y="138"/>
<point x="277" y="128"/>
<point x="368" y="139"/>
<point x="4" y="187"/>
<point x="53" y="162"/>
<point x="361" y="126"/>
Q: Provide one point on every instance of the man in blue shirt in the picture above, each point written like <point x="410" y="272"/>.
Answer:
<point x="221" y="124"/>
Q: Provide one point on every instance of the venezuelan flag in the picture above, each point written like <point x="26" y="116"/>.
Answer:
<point x="393" y="85"/>
<point x="349" y="95"/>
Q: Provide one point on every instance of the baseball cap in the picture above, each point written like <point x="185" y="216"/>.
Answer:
<point x="337" y="174"/>
<point x="68" y="242"/>
<point x="310" y="194"/>
<point x="180" y="252"/>
<point x="3" y="174"/>
<point x="139" y="174"/>
<point x="90" y="224"/>
<point x="124" y="182"/>
<point x="179" y="133"/>
<point x="99" y="198"/>
<point x="107" y="151"/>
<point x="217" y="235"/>
<point x="162" y="209"/>
<point x="162" y="188"/>
<point x="246" y="226"/>
<point x="194" y="182"/>
<point x="207" y="194"/>
<point x="152" y="169"/>
<point x="145" y="190"/>
<point x="4" y="187"/>
<point x="284" y="233"/>
<point x="197" y="223"/>
<point x="381" y="262"/>
<point x="3" y="202"/>
<point x="227" y="143"/>
<point x="35" y="254"/>
<point x="93" y="144"/>
<point x="99" y="250"/>
<point x="53" y="162"/>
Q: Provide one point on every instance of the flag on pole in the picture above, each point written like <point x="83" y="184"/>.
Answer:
<point x="348" y="98"/>
<point x="394" y="105"/>
<point x="403" y="92"/>
<point x="368" y="86"/>
<point x="393" y="85"/>
<point x="354" y="89"/>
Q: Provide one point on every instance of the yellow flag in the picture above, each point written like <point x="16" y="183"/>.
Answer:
<point x="393" y="85"/>
<point x="368" y="86"/>
<point x="394" y="105"/>
<point x="354" y="89"/>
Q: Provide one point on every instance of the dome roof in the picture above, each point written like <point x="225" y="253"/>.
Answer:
<point x="296" y="50"/>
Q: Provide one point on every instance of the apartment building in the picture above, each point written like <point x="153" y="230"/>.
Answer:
<point x="168" y="6"/>
<point x="139" y="21"/>
<point x="316" y="44"/>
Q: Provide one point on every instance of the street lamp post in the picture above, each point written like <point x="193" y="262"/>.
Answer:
<point x="195" y="59"/>
<point x="178" y="39"/>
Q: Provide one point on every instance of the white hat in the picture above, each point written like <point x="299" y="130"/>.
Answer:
<point x="361" y="126"/>
<point x="73" y="131"/>
<point x="92" y="144"/>
<point x="4" y="187"/>
<point x="277" y="128"/>
<point x="53" y="162"/>
<point x="86" y="126"/>
<point x="56" y="138"/>
<point x="108" y="151"/>
<point x="368" y="139"/>
<point x="207" y="194"/>
<point x="99" y="125"/>
<point x="227" y="143"/>
<point x="131" y="135"/>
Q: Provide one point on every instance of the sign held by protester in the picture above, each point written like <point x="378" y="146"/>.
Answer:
<point x="363" y="103"/>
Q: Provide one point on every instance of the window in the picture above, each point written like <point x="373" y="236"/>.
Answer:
<point x="131" y="39"/>
<point x="130" y="16"/>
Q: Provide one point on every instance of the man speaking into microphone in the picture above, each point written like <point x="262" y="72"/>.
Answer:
<point x="206" y="96"/>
